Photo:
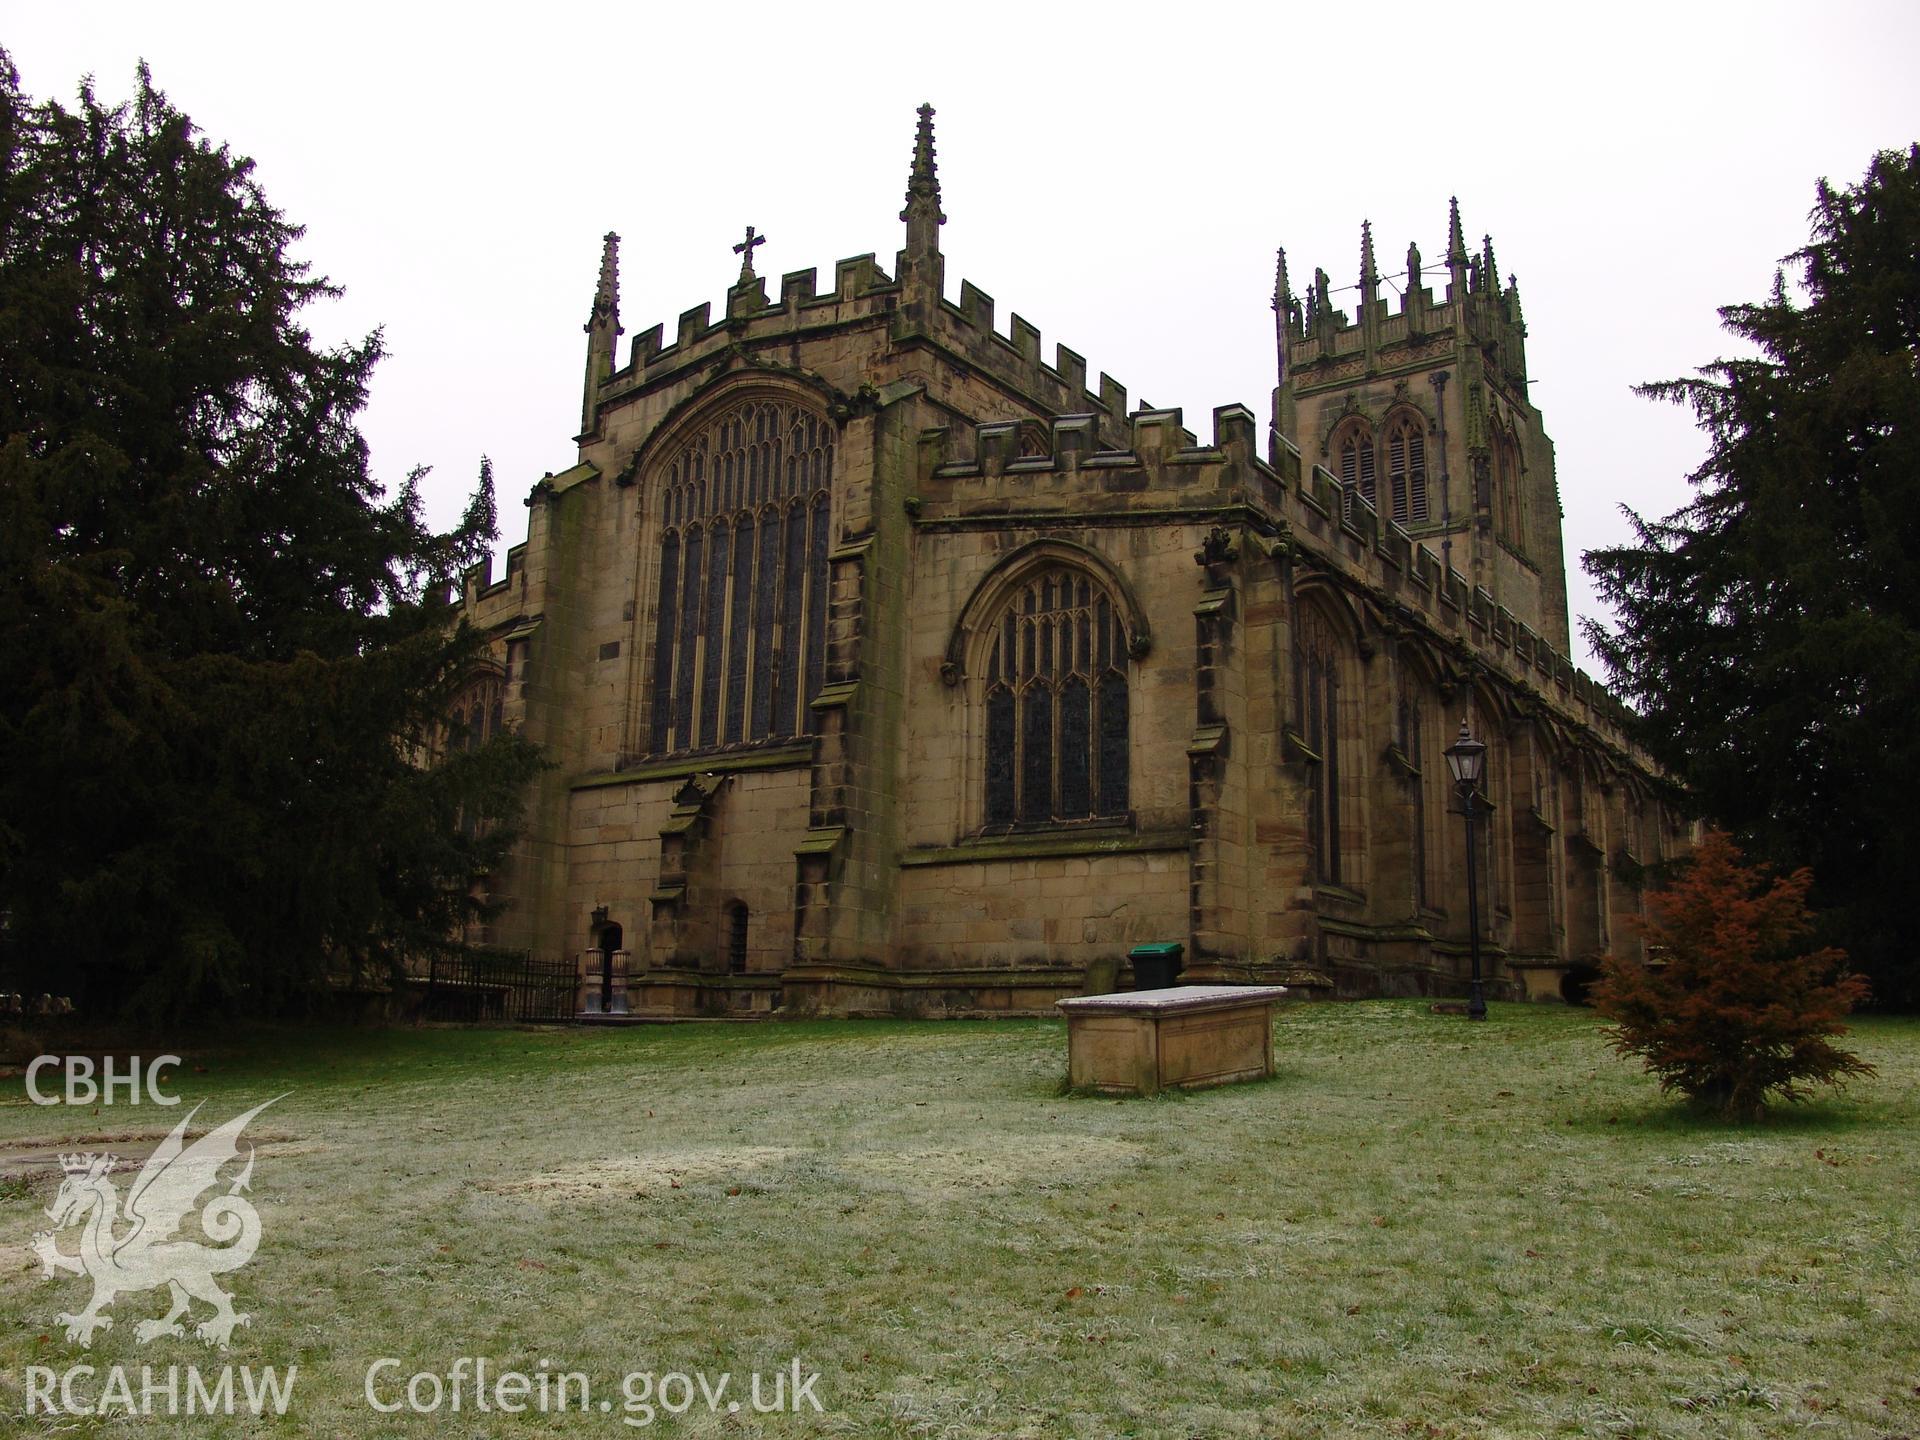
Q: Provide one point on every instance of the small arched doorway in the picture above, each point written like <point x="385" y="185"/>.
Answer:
<point x="737" y="921"/>
<point x="609" y="943"/>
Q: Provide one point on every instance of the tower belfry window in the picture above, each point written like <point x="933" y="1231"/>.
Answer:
<point x="1357" y="461"/>
<point x="1407" y="471"/>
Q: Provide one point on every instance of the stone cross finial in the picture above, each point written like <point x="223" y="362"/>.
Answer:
<point x="745" y="251"/>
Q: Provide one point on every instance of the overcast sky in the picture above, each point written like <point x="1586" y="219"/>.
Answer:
<point x="1118" y="177"/>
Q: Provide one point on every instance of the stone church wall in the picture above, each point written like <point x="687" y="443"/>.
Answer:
<point x="1294" y="663"/>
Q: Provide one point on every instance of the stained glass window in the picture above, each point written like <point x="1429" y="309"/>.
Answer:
<point x="1057" y="723"/>
<point x="663" y="632"/>
<point x="740" y="619"/>
<point x="1317" y="672"/>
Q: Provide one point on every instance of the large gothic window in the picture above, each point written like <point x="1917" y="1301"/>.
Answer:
<point x="1056" y="703"/>
<point x="1317" y="687"/>
<point x="1407" y="470"/>
<point x="740" y="625"/>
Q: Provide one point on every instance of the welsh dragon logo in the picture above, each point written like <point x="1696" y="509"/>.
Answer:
<point x="133" y="1247"/>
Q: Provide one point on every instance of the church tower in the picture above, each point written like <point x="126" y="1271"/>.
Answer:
<point x="1423" y="411"/>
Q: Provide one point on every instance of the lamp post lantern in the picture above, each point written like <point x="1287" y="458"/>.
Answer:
<point x="1465" y="757"/>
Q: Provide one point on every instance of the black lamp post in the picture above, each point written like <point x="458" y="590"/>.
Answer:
<point x="1464" y="758"/>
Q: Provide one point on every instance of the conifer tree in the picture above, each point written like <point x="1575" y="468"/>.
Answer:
<point x="1734" y="1009"/>
<point x="223" y="648"/>
<point x="1769" y="632"/>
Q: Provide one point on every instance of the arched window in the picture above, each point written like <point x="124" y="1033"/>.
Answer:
<point x="1354" y="449"/>
<point x="1317" y="694"/>
<point x="1412" y="737"/>
<point x="1493" y="825"/>
<point x="1506" y="487"/>
<point x="479" y="713"/>
<point x="740" y="625"/>
<point x="477" y="716"/>
<point x="1515" y="494"/>
<point x="1407" y="470"/>
<point x="1056" y="703"/>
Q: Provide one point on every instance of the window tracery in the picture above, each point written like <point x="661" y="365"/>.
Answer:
<point x="740" y="627"/>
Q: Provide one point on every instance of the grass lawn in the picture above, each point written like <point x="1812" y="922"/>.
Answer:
<point x="1421" y="1227"/>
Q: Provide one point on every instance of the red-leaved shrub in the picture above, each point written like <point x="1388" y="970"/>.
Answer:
<point x="1737" y="1011"/>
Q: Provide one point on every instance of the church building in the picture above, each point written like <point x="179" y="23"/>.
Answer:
<point x="887" y="666"/>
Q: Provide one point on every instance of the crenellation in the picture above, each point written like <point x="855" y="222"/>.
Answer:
<point x="1425" y="574"/>
<point x="858" y="275"/>
<point x="1025" y="340"/>
<point x="646" y="346"/>
<point x="1075" y="437"/>
<point x="976" y="307"/>
<point x="1284" y="457"/>
<point x="1234" y="431"/>
<point x="797" y="287"/>
<point x="996" y="446"/>
<point x="694" y="325"/>
<point x="1158" y="434"/>
<point x="1324" y="492"/>
<point x="1361" y="519"/>
<point x="1071" y="369"/>
<point x="1396" y="550"/>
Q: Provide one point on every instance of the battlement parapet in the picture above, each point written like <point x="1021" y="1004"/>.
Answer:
<point x="1377" y="556"/>
<point x="861" y="291"/>
<point x="1157" y="437"/>
<point x="1317" y="334"/>
<point x="477" y="584"/>
<point x="1059" y="388"/>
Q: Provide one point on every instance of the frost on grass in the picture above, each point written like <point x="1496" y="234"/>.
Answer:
<point x="660" y="1170"/>
<point x="1014" y="1162"/>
